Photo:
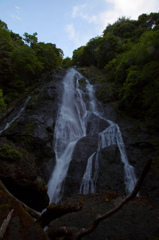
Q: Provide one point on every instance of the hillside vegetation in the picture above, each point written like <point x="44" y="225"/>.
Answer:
<point x="23" y="62"/>
<point x="125" y="61"/>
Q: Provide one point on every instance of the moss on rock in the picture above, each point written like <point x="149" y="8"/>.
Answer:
<point x="8" y="152"/>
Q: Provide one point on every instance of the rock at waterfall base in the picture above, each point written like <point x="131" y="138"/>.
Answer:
<point x="138" y="219"/>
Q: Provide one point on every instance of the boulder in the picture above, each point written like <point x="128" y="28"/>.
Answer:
<point x="95" y="124"/>
<point x="83" y="149"/>
<point x="137" y="219"/>
<point x="111" y="171"/>
<point x="19" y="173"/>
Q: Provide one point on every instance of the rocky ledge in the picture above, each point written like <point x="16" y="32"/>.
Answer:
<point x="138" y="219"/>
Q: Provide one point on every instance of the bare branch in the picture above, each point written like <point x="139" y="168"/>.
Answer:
<point x="62" y="231"/>
<point x="31" y="211"/>
<point x="76" y="234"/>
<point x="5" y="224"/>
<point x="56" y="211"/>
<point x="99" y="218"/>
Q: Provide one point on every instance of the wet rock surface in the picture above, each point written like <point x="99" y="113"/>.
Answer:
<point x="84" y="148"/>
<point x="138" y="144"/>
<point x="33" y="131"/>
<point x="111" y="171"/>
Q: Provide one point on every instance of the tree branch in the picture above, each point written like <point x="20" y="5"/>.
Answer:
<point x="5" y="224"/>
<point x="76" y="234"/>
<point x="99" y="218"/>
<point x="31" y="211"/>
<point x="56" y="211"/>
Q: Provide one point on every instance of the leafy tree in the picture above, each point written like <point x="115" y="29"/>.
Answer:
<point x="6" y="47"/>
<point x="31" y="40"/>
<point x="49" y="56"/>
<point x="123" y="28"/>
<point x="3" y="25"/>
<point x="27" y="67"/>
<point x="2" y="103"/>
<point x="67" y="62"/>
<point x="77" y="58"/>
<point x="17" y="39"/>
<point x="141" y="78"/>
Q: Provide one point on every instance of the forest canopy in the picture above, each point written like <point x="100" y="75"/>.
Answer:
<point x="23" y="60"/>
<point x="128" y="55"/>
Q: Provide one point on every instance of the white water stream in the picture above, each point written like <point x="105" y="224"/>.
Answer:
<point x="70" y="126"/>
<point x="15" y="116"/>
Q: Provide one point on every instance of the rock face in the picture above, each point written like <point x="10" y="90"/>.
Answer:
<point x="111" y="171"/>
<point x="110" y="174"/>
<point x="20" y="177"/>
<point x="137" y="219"/>
<point x="84" y="148"/>
<point x="33" y="131"/>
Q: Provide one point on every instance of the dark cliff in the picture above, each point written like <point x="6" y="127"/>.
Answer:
<point x="26" y="175"/>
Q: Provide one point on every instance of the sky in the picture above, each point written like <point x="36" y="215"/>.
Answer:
<point x="69" y="23"/>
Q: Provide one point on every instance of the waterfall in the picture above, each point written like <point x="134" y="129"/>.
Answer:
<point x="71" y="125"/>
<point x="110" y="136"/>
<point x="15" y="116"/>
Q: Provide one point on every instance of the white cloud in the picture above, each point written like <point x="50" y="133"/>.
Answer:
<point x="77" y="36"/>
<point x="131" y="9"/>
<point x="71" y="31"/>
<point x="84" y="12"/>
<point x="17" y="13"/>
<point x="17" y="7"/>
<point x="16" y="17"/>
<point x="99" y="15"/>
<point x="122" y="8"/>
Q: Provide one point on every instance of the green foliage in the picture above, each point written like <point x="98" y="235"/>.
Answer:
<point x="2" y="103"/>
<point x="26" y="64"/>
<point x="67" y="62"/>
<point x="128" y="52"/>
<point x="3" y="25"/>
<point x="8" y="152"/>
<point x="140" y="89"/>
<point x="82" y="82"/>
<point x="23" y="61"/>
<point x="31" y="40"/>
<point x="78" y="57"/>
<point x="49" y="56"/>
<point x="6" y="46"/>
<point x="121" y="28"/>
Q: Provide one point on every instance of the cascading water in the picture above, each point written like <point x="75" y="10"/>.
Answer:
<point x="15" y="116"/>
<point x="110" y="136"/>
<point x="71" y="125"/>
